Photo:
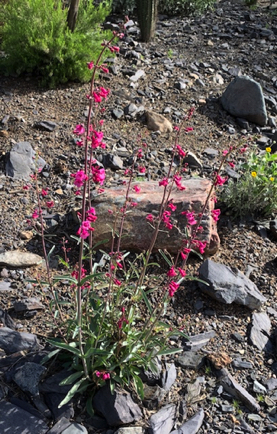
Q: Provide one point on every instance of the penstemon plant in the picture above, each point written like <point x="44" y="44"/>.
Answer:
<point x="115" y="331"/>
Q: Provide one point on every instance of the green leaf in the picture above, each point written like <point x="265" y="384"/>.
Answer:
<point x="66" y="347"/>
<point x="50" y="253"/>
<point x="49" y="356"/>
<point x="71" y="393"/>
<point x="169" y="262"/>
<point x="138" y="386"/>
<point x="96" y="351"/>
<point x="66" y="277"/>
<point x="169" y="351"/>
<point x="71" y="378"/>
<point x="146" y="301"/>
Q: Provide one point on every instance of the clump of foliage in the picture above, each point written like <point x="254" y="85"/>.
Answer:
<point x="255" y="193"/>
<point x="169" y="7"/>
<point x="36" y="39"/>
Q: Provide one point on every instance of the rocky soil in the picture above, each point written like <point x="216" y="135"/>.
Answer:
<point x="190" y="64"/>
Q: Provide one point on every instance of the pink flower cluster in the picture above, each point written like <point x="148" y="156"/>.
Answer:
<point x="80" y="178"/>
<point x="100" y="93"/>
<point x="172" y="288"/>
<point x="84" y="229"/>
<point x="215" y="214"/>
<point x="98" y="175"/>
<point x="190" y="217"/>
<point x="103" y="375"/>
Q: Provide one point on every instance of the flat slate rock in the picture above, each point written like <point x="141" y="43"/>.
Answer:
<point x="260" y="330"/>
<point x="22" y="161"/>
<point x="244" y="98"/>
<point x="18" y="259"/>
<point x="17" y="421"/>
<point x="12" y="341"/>
<point x="229" y="285"/>
<point x="162" y="422"/>
<point x="193" y="425"/>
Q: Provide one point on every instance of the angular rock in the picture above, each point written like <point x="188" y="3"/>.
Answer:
<point x="193" y="425"/>
<point x="117" y="409"/>
<point x="193" y="392"/>
<point x="60" y="426"/>
<point x="53" y="401"/>
<point x="117" y="113"/>
<point x="113" y="162"/>
<point x="22" y="160"/>
<point x="162" y="422"/>
<point x="28" y="376"/>
<point x="139" y="74"/>
<point x="190" y="360"/>
<point x="17" y="259"/>
<point x="231" y="386"/>
<point x="139" y="231"/>
<point x="5" y="286"/>
<point x="192" y="161"/>
<point x="157" y="122"/>
<point x="169" y="376"/>
<point x="47" y="125"/>
<point x="130" y="430"/>
<point x="27" y="304"/>
<point x="12" y="341"/>
<point x="198" y="341"/>
<point x="260" y="330"/>
<point x="229" y="285"/>
<point x="6" y="320"/>
<point x="18" y="421"/>
<point x="75" y="428"/>
<point x="244" y="98"/>
<point x="153" y="396"/>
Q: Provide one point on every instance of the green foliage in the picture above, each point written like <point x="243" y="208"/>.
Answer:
<point x="255" y="193"/>
<point x="125" y="6"/>
<point x="35" y="39"/>
<point x="185" y="7"/>
<point x="121" y="332"/>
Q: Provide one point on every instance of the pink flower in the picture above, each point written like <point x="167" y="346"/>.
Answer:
<point x="96" y="139"/>
<point x="171" y="272"/>
<point x="80" y="178"/>
<point x="97" y="98"/>
<point x="177" y="179"/>
<point x="139" y="154"/>
<point x="188" y="129"/>
<point x="117" y="282"/>
<point x="201" y="245"/>
<point x="171" y="206"/>
<point x="35" y="214"/>
<point x="141" y="169"/>
<point x="91" y="215"/>
<point x="101" y="122"/>
<point x="50" y="204"/>
<point x="79" y="130"/>
<point x="150" y="218"/>
<point x="44" y="192"/>
<point x="190" y="217"/>
<point x="134" y="204"/>
<point x="137" y="188"/>
<point x="79" y="143"/>
<point x="224" y="152"/>
<point x="98" y="175"/>
<point x="181" y="153"/>
<point x="104" y="69"/>
<point x="106" y="376"/>
<point x="176" y="128"/>
<point x="84" y="229"/>
<point x="104" y="93"/>
<point x="231" y="164"/>
<point x="215" y="214"/>
<point x="182" y="272"/>
<point x="90" y="65"/>
<point x="26" y="187"/>
<point x="219" y="180"/>
<point x="163" y="182"/>
<point x="172" y="288"/>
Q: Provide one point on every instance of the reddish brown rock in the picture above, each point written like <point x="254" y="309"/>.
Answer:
<point x="138" y="231"/>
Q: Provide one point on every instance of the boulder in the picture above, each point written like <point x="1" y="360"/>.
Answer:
<point x="244" y="98"/>
<point x="138" y="231"/>
<point x="229" y="285"/>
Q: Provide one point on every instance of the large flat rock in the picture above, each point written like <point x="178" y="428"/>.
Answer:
<point x="137" y="230"/>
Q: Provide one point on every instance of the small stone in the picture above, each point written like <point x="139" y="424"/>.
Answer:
<point x="139" y="74"/>
<point x="192" y="161"/>
<point x="193" y="425"/>
<point x="117" y="113"/>
<point x="260" y="331"/>
<point x="190" y="360"/>
<point x="47" y="125"/>
<point x="27" y="377"/>
<point x="157" y="122"/>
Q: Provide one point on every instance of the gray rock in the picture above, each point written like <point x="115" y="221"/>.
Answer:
<point x="242" y="364"/>
<point x="193" y="392"/>
<point x="18" y="421"/>
<point x="258" y="387"/>
<point x="193" y="425"/>
<point x="117" y="113"/>
<point x="75" y="428"/>
<point x="153" y="396"/>
<point x="130" y="430"/>
<point x="5" y="286"/>
<point x="139" y="74"/>
<point x="162" y="422"/>
<point x="117" y="409"/>
<point x="47" y="125"/>
<point x="244" y="98"/>
<point x="18" y="259"/>
<point x="271" y="384"/>
<point x="229" y="285"/>
<point x="190" y="360"/>
<point x="232" y="387"/>
<point x="12" y="341"/>
<point x="198" y="341"/>
<point x="113" y="162"/>
<point x="6" y="320"/>
<point x="22" y="161"/>
<point x="60" y="426"/>
<point x="28" y="376"/>
<point x="53" y="401"/>
<point x="192" y="160"/>
<point x="27" y="304"/>
<point x="169" y="376"/>
<point x="260" y="330"/>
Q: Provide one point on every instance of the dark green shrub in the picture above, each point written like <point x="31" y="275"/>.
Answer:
<point x="35" y="39"/>
<point x="184" y="7"/>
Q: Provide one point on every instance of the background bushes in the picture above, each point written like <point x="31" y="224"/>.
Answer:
<point x="36" y="39"/>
